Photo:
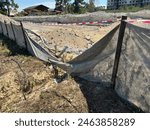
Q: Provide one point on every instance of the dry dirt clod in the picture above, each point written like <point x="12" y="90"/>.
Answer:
<point x="87" y="37"/>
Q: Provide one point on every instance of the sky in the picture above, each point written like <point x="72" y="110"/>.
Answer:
<point x="49" y="3"/>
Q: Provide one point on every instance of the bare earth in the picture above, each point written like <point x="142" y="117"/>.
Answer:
<point x="28" y="85"/>
<point x="73" y="36"/>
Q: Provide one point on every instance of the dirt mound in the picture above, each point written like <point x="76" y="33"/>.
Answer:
<point x="69" y="18"/>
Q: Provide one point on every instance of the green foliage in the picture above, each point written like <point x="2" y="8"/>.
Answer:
<point x="99" y="9"/>
<point x="3" y="11"/>
<point x="70" y="8"/>
<point x="62" y="5"/>
<point x="14" y="5"/>
<point x="78" y="6"/>
<point x="6" y="6"/>
<point x="2" y="7"/>
<point x="59" y="5"/>
<point x="90" y="7"/>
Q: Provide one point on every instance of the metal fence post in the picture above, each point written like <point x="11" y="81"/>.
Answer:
<point x="23" y="31"/>
<point x="13" y="31"/>
<point x="118" y="51"/>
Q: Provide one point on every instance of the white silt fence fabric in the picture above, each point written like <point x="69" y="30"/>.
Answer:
<point x="1" y="30"/>
<point x="133" y="80"/>
<point x="4" y="29"/>
<point x="36" y="50"/>
<point x="19" y="35"/>
<point x="41" y="53"/>
<point x="10" y="32"/>
<point x="97" y="53"/>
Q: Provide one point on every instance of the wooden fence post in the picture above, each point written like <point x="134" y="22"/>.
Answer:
<point x="23" y="31"/>
<point x="13" y="31"/>
<point x="118" y="51"/>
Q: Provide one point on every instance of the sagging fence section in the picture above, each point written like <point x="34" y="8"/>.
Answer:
<point x="16" y="32"/>
<point x="129" y="74"/>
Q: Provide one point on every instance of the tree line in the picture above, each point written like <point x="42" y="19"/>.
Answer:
<point x="77" y="6"/>
<point x="67" y="6"/>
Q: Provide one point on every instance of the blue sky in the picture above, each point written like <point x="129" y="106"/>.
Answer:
<point x="50" y="3"/>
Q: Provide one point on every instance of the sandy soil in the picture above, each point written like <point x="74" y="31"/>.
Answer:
<point x="28" y="85"/>
<point x="74" y="37"/>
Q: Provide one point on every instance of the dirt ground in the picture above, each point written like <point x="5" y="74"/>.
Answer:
<point x="28" y="85"/>
<point x="75" y="37"/>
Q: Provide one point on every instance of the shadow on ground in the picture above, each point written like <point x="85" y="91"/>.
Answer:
<point x="13" y="47"/>
<point x="103" y="99"/>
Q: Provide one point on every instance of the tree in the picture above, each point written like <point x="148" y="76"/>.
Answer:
<point x="8" y="9"/>
<point x="58" y="5"/>
<point x="3" y="8"/>
<point x="2" y="5"/>
<point x="77" y="5"/>
<point x="14" y="5"/>
<point x="62" y="5"/>
<point x="66" y="5"/>
<point x="7" y="5"/>
<point x="91" y="7"/>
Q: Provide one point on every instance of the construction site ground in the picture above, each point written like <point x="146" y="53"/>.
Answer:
<point x="77" y="37"/>
<point x="28" y="85"/>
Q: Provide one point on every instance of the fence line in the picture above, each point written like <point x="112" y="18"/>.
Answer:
<point x="13" y="31"/>
<point x="24" y="35"/>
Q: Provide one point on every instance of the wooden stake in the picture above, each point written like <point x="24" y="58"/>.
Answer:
<point x="118" y="51"/>
<point x="24" y="34"/>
